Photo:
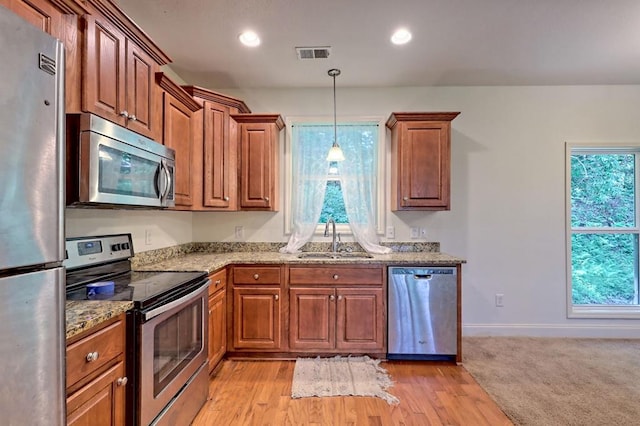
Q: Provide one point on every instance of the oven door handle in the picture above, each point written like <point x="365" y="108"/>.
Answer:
<point x="164" y="308"/>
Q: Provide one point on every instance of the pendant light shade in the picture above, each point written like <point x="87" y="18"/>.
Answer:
<point x="335" y="153"/>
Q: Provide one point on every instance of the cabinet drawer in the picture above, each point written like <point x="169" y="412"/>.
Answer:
<point x="333" y="274"/>
<point x="218" y="281"/>
<point x="87" y="355"/>
<point x="257" y="275"/>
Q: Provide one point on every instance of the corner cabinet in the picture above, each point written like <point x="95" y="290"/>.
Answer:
<point x="259" y="141"/>
<point x="337" y="309"/>
<point x="421" y="160"/>
<point x="215" y="165"/>
<point x="96" y="380"/>
<point x="178" y="108"/>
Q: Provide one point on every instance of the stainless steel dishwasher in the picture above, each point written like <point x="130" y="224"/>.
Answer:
<point x="423" y="319"/>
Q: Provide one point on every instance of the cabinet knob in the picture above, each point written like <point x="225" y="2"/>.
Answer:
<point x="121" y="381"/>
<point x="92" y="356"/>
<point x="276" y="297"/>
<point x="124" y="113"/>
<point x="405" y="198"/>
<point x="340" y="297"/>
<point x="217" y="283"/>
<point x="266" y="199"/>
<point x="256" y="276"/>
<point x="133" y="118"/>
<point x="226" y="198"/>
<point x="336" y="276"/>
<point x="332" y="297"/>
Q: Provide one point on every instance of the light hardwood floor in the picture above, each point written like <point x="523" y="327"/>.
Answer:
<point x="259" y="393"/>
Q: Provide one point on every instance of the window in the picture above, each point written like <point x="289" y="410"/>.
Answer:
<point x="314" y="137"/>
<point x="602" y="237"/>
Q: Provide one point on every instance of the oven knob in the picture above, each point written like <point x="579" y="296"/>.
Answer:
<point x="124" y="246"/>
<point x="115" y="247"/>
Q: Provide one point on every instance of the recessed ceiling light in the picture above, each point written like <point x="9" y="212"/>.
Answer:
<point x="401" y="36"/>
<point x="249" y="38"/>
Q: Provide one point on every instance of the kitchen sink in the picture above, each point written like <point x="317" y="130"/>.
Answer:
<point x="330" y="255"/>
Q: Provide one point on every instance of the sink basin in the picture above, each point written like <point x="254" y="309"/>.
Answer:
<point x="339" y="255"/>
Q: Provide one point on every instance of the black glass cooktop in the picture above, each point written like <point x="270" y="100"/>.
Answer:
<point x="143" y="288"/>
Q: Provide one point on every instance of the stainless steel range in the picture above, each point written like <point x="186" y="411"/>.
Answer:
<point x="167" y="329"/>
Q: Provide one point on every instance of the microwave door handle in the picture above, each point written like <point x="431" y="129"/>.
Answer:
<point x="161" y="181"/>
<point x="168" y="174"/>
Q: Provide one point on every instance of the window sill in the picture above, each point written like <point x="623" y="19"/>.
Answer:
<point x="604" y="312"/>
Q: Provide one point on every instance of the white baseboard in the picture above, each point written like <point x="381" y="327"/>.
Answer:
<point x="631" y="331"/>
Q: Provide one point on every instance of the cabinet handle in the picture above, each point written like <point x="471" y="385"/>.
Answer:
<point x="124" y="113"/>
<point x="405" y="198"/>
<point x="121" y="381"/>
<point x="256" y="276"/>
<point x="336" y="276"/>
<point x="133" y="118"/>
<point x="226" y="198"/>
<point x="276" y="297"/>
<point x="332" y="297"/>
<point x="92" y="356"/>
<point x="217" y="283"/>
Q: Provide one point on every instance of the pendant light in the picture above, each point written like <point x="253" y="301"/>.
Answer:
<point x="335" y="153"/>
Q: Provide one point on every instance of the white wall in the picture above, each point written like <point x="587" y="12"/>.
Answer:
<point x="508" y="209"/>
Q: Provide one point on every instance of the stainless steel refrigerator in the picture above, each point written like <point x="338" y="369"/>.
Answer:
<point x="32" y="280"/>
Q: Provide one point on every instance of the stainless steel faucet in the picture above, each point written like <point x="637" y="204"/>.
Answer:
<point x="334" y="243"/>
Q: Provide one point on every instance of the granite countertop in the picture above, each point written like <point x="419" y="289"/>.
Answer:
<point x="82" y="315"/>
<point x="211" y="262"/>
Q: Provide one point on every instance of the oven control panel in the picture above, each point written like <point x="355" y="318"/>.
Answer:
<point x="86" y="251"/>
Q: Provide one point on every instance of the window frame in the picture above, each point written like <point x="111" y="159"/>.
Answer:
<point x="343" y="229"/>
<point x="599" y="311"/>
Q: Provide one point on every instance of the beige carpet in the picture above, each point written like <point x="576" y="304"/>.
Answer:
<point x="564" y="382"/>
<point x="357" y="376"/>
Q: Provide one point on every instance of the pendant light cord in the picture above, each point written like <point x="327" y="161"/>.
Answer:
<point x="334" y="72"/>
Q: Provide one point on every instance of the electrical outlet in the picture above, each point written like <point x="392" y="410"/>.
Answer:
<point x="239" y="232"/>
<point x="415" y="232"/>
<point x="423" y="232"/>
<point x="147" y="237"/>
<point x="499" y="300"/>
<point x="391" y="232"/>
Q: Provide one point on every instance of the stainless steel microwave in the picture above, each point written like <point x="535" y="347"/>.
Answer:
<point x="111" y="166"/>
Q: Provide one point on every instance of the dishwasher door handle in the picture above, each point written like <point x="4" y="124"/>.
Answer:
<point x="422" y="276"/>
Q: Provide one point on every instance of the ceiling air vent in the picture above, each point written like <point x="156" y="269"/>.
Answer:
<point x="313" y="52"/>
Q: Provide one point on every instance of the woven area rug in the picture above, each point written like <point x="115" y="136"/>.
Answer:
<point x="356" y="376"/>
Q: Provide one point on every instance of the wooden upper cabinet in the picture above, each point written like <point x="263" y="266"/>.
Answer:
<point x="420" y="160"/>
<point x="259" y="136"/>
<point x="119" y="63"/>
<point x="216" y="150"/>
<point x="41" y="13"/>
<point x="177" y="113"/>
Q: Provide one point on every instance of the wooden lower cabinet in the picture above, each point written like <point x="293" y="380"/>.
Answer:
<point x="96" y="375"/>
<point x="217" y="318"/>
<point x="256" y="318"/>
<point x="336" y="319"/>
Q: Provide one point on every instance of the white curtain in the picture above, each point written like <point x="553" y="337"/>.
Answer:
<point x="358" y="177"/>
<point x="309" y="148"/>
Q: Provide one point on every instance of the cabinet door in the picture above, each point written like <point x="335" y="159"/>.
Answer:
<point x="256" y="318"/>
<point x="177" y="135"/>
<point x="312" y="313"/>
<point x="101" y="402"/>
<point x="220" y="156"/>
<point x="139" y="88"/>
<point x="424" y="165"/>
<point x="360" y="320"/>
<point x="217" y="327"/>
<point x="104" y="71"/>
<point x="257" y="166"/>
<point x="40" y="13"/>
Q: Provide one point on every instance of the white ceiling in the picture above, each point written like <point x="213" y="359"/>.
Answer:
<point x="455" y="42"/>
